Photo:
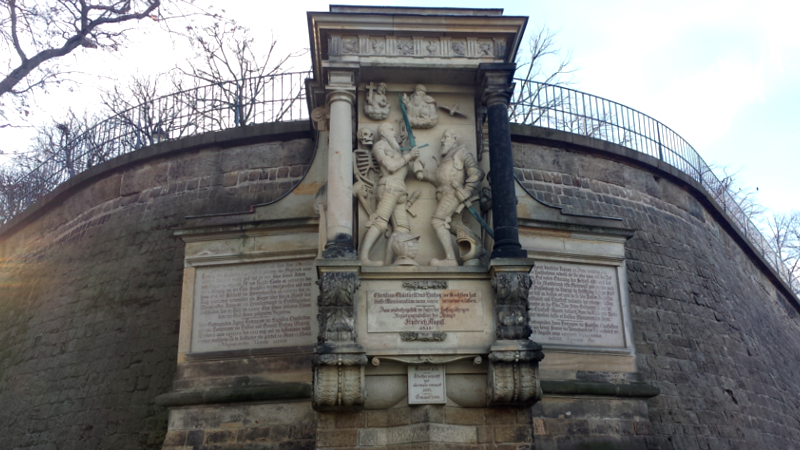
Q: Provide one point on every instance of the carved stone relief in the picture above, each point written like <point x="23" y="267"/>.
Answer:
<point x="514" y="382"/>
<point x="336" y="307"/>
<point x="376" y="106"/>
<point x="421" y="108"/>
<point x="511" y="304"/>
<point x="456" y="178"/>
<point x="418" y="46"/>
<point x="392" y="196"/>
<point x="339" y="381"/>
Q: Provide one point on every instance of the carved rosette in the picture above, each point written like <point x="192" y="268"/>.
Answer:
<point x="511" y="304"/>
<point x="339" y="362"/>
<point x="514" y="376"/>
<point x="336" y="302"/>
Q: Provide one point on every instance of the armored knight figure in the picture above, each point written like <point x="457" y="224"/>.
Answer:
<point x="421" y="108"/>
<point x="457" y="178"/>
<point x="391" y="190"/>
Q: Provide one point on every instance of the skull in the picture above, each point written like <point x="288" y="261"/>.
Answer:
<point x="365" y="136"/>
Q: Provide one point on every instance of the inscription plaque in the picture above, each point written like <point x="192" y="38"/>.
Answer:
<point x="263" y="305"/>
<point x="575" y="304"/>
<point x="424" y="310"/>
<point x="426" y="385"/>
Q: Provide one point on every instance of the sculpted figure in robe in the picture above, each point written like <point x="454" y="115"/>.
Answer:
<point x="391" y="190"/>
<point x="376" y="106"/>
<point x="456" y="179"/>
<point x="421" y="108"/>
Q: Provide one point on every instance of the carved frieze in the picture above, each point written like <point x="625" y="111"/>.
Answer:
<point x="434" y="336"/>
<point x="418" y="46"/>
<point x="425" y="284"/>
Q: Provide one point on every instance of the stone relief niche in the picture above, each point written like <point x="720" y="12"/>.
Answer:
<point x="423" y="196"/>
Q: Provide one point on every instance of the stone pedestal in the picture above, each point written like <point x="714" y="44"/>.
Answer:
<point x="338" y="360"/>
<point x="513" y="377"/>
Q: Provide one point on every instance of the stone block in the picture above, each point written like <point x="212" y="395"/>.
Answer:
<point x="255" y="434"/>
<point x="377" y="419"/>
<point x="337" y="438"/>
<point x="428" y="414"/>
<point x="398" y="416"/>
<point x="144" y="177"/>
<point x="514" y="433"/>
<point x="219" y="436"/>
<point x="351" y="420"/>
<point x="501" y="415"/>
<point x="465" y="416"/>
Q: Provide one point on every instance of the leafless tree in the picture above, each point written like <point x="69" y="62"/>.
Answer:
<point x="37" y="33"/>
<point x="144" y="114"/>
<point x="543" y="66"/>
<point x="784" y="234"/>
<point x="238" y="78"/>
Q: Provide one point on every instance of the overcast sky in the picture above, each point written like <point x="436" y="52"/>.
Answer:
<point x="722" y="74"/>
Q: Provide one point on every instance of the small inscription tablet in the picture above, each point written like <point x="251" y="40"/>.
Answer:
<point x="576" y="304"/>
<point x="426" y="385"/>
<point x="261" y="305"/>
<point x="424" y="310"/>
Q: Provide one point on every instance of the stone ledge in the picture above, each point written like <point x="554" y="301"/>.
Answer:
<point x="558" y="387"/>
<point x="265" y="132"/>
<point x="278" y="391"/>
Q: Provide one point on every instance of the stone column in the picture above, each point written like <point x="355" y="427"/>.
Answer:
<point x="497" y="90"/>
<point x="340" y="96"/>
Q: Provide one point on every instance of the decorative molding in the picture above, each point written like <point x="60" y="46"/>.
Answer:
<point x="428" y="359"/>
<point x="434" y="336"/>
<point x="425" y="284"/>
<point x="511" y="304"/>
<point x="514" y="384"/>
<point x="470" y="47"/>
<point x="337" y="297"/>
<point x="339" y="388"/>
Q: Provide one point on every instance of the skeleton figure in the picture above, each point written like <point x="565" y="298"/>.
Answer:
<point x="366" y="171"/>
<point x="391" y="190"/>
<point x="376" y="106"/>
<point x="457" y="178"/>
<point x="421" y="108"/>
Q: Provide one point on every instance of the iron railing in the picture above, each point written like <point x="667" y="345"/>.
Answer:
<point x="281" y="97"/>
<point x="214" y="107"/>
<point x="565" y="109"/>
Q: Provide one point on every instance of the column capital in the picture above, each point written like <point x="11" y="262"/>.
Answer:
<point x="337" y="94"/>
<point x="497" y="83"/>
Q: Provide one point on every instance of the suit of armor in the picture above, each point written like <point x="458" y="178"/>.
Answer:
<point x="457" y="178"/>
<point x="391" y="190"/>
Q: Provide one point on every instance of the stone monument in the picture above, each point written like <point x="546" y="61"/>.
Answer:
<point x="396" y="273"/>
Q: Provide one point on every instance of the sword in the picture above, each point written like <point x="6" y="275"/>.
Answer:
<point x="411" y="140"/>
<point x="468" y="204"/>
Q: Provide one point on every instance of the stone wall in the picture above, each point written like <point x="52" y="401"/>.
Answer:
<point x="713" y="330"/>
<point x="91" y="285"/>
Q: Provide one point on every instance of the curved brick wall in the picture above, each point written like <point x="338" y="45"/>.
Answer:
<point x="91" y="284"/>
<point x="713" y="330"/>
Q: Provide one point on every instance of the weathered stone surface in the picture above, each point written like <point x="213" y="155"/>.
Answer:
<point x="706" y="319"/>
<point x="90" y="305"/>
